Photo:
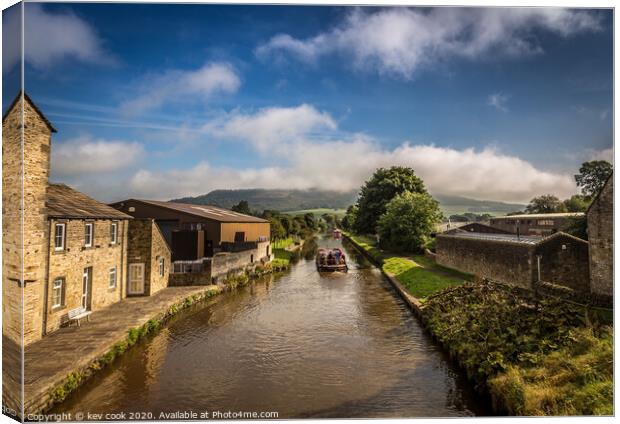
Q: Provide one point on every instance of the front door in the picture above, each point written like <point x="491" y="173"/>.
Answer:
<point x="136" y="279"/>
<point x="86" y="286"/>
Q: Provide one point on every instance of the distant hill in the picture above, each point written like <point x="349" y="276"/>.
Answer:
<point x="298" y="200"/>
<point x="280" y="200"/>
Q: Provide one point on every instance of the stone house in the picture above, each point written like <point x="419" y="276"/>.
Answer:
<point x="600" y="217"/>
<point x="148" y="259"/>
<point x="560" y="259"/>
<point x="87" y="254"/>
<point x="61" y="249"/>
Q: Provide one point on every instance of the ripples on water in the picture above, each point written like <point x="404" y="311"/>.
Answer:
<point x="303" y="344"/>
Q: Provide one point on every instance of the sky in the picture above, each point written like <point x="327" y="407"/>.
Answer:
<point x="163" y="101"/>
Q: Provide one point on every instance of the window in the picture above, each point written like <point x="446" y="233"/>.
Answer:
<point x="545" y="222"/>
<point x="88" y="234"/>
<point x="113" y="232"/>
<point x="112" y="281"/>
<point x="59" y="237"/>
<point x="162" y="267"/>
<point x="58" y="293"/>
<point x="239" y="237"/>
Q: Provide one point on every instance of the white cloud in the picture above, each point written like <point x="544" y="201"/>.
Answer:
<point x="399" y="41"/>
<point x="272" y="126"/>
<point x="498" y="101"/>
<point x="604" y="154"/>
<point x="85" y="156"/>
<point x="178" y="86"/>
<point x="51" y="37"/>
<point x="308" y="159"/>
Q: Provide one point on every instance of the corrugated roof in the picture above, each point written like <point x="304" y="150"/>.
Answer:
<point x="541" y="215"/>
<point x="64" y="202"/>
<point x="205" y="211"/>
<point x="512" y="238"/>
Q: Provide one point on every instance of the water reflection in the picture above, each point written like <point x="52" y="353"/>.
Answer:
<point x="303" y="344"/>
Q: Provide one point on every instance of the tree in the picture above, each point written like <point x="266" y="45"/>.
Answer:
<point x="277" y="230"/>
<point x="310" y="220"/>
<point x="242" y="207"/>
<point x="592" y="176"/>
<point x="348" y="222"/>
<point x="408" y="221"/>
<point x="547" y="203"/>
<point x="382" y="187"/>
<point x="576" y="203"/>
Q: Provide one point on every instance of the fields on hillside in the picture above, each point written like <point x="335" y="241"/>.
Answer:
<point x="318" y="212"/>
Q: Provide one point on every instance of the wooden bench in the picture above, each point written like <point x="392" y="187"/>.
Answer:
<point x="78" y="313"/>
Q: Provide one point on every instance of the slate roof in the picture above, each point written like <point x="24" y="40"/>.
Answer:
<point x="510" y="238"/>
<point x="204" y="211"/>
<point x="64" y="202"/>
<point x="541" y="215"/>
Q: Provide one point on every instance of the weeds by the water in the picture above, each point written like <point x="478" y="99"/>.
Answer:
<point x="537" y="356"/>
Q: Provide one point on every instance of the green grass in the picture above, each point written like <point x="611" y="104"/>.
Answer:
<point x="433" y="266"/>
<point x="319" y="211"/>
<point x="419" y="281"/>
<point x="282" y="244"/>
<point x="369" y="245"/>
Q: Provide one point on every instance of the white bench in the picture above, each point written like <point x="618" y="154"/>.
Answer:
<point x="78" y="313"/>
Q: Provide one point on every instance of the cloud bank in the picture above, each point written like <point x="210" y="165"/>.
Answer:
<point x="400" y="41"/>
<point x="50" y="37"/>
<point x="308" y="157"/>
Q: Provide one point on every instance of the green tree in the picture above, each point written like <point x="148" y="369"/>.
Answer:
<point x="408" y="221"/>
<point x="277" y="229"/>
<point x="576" y="203"/>
<point x="382" y="187"/>
<point x="310" y="220"/>
<point x="348" y="222"/>
<point x="592" y="176"/>
<point x="546" y="203"/>
<point x="242" y="207"/>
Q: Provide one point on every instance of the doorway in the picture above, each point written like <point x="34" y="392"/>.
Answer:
<point x="136" y="279"/>
<point x="87" y="279"/>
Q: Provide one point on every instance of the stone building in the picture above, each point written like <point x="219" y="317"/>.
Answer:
<point x="70" y="243"/>
<point x="87" y="251"/>
<point x="560" y="259"/>
<point x="601" y="237"/>
<point x="542" y="224"/>
<point x="148" y="259"/>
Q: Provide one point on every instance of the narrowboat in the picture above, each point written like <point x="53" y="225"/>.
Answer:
<point x="337" y="234"/>
<point x="330" y="260"/>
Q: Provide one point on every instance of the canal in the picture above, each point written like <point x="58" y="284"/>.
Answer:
<point x="301" y="344"/>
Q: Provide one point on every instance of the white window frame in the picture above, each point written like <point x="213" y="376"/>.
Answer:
<point x="62" y="239"/>
<point x="112" y="272"/>
<point x="162" y="267"/>
<point x="114" y="232"/>
<point x="91" y="233"/>
<point x="57" y="285"/>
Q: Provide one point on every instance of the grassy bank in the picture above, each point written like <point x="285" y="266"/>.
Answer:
<point x="535" y="356"/>
<point x="419" y="275"/>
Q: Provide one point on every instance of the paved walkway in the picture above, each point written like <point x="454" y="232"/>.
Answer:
<point x="49" y="360"/>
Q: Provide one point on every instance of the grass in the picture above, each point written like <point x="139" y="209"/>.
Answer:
<point x="420" y="282"/>
<point x="574" y="380"/>
<point x="369" y="245"/>
<point x="283" y="243"/>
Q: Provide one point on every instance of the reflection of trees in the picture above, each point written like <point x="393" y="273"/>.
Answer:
<point x="309" y="249"/>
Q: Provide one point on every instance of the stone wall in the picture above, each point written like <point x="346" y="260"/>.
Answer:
<point x="511" y="263"/>
<point x="601" y="238"/>
<point x="146" y="245"/>
<point x="225" y="263"/>
<point x="564" y="262"/>
<point x="28" y="172"/>
<point x="70" y="263"/>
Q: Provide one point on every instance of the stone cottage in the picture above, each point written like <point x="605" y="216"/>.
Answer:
<point x="148" y="259"/>
<point x="601" y="237"/>
<point x="73" y="252"/>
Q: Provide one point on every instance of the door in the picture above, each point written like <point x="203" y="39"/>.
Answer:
<point x="136" y="279"/>
<point x="86" y="287"/>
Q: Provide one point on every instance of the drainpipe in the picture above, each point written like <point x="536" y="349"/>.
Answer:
<point x="538" y="257"/>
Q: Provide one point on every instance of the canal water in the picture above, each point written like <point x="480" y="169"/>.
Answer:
<point x="302" y="344"/>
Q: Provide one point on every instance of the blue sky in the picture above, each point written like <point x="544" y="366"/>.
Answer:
<point x="164" y="101"/>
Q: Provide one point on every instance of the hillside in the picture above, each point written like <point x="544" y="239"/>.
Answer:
<point x="301" y="200"/>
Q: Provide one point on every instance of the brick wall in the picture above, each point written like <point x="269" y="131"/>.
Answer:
<point x="600" y="236"/>
<point x="35" y="170"/>
<point x="511" y="263"/>
<point x="71" y="262"/>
